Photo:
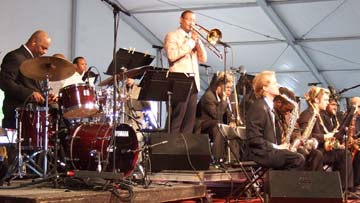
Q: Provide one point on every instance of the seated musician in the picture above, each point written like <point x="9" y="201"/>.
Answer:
<point x="354" y="135"/>
<point x="330" y="116"/>
<point x="211" y="110"/>
<point x="260" y="128"/>
<point x="287" y="128"/>
<point x="312" y="126"/>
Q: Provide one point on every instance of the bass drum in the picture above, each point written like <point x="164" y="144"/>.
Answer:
<point x="90" y="148"/>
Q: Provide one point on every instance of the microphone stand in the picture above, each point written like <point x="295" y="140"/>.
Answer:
<point x="159" y="61"/>
<point x="207" y="72"/>
<point x="116" y="11"/>
<point x="347" y="89"/>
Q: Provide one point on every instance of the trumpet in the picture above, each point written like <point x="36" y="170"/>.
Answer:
<point x="212" y="38"/>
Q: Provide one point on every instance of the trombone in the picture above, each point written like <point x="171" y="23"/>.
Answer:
<point x="212" y="38"/>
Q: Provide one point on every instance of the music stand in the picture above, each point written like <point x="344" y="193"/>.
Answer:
<point x="165" y="86"/>
<point x="129" y="60"/>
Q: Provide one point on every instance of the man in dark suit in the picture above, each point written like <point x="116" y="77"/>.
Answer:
<point x="212" y="108"/>
<point x="260" y="128"/>
<point x="330" y="116"/>
<point x="19" y="89"/>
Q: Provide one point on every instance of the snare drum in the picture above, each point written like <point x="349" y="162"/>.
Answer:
<point x="77" y="101"/>
<point x="90" y="148"/>
<point x="31" y="123"/>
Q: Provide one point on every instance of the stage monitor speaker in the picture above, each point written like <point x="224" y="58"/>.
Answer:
<point x="304" y="187"/>
<point x="180" y="152"/>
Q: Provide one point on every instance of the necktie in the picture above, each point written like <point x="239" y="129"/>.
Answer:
<point x="272" y="113"/>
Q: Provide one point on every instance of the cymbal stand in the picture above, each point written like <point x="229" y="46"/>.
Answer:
<point x="123" y="96"/>
<point x="116" y="11"/>
<point x="146" y="160"/>
<point x="46" y="138"/>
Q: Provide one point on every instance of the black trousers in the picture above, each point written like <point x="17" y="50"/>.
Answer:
<point x="280" y="159"/>
<point x="183" y="113"/>
<point x="218" y="147"/>
<point x="336" y="158"/>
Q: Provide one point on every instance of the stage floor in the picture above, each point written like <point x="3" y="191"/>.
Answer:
<point x="45" y="192"/>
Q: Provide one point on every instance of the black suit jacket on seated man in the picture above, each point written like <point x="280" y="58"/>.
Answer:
<point x="211" y="111"/>
<point x="261" y="139"/>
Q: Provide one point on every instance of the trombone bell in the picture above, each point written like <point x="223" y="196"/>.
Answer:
<point x="214" y="36"/>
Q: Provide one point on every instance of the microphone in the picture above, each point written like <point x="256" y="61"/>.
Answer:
<point x="333" y="92"/>
<point x="240" y="69"/>
<point x="157" y="46"/>
<point x="314" y="83"/>
<point x="204" y="65"/>
<point x="224" y="44"/>
<point x="89" y="74"/>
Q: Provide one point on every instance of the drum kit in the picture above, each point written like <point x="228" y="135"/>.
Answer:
<point x="87" y="145"/>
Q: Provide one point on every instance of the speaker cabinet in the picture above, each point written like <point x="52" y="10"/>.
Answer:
<point x="180" y="152"/>
<point x="304" y="187"/>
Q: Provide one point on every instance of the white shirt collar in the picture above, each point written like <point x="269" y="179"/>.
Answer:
<point x="270" y="103"/>
<point x="28" y="50"/>
<point x="187" y="35"/>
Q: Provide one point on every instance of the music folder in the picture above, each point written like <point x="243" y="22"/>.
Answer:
<point x="128" y="59"/>
<point x="156" y="85"/>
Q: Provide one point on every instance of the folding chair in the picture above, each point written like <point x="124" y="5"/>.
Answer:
<point x="253" y="172"/>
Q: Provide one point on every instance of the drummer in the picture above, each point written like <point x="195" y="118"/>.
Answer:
<point x="19" y="89"/>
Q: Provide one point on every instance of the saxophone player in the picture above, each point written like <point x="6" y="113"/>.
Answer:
<point x="318" y="99"/>
<point x="287" y="128"/>
<point x="354" y="131"/>
<point x="261" y="131"/>
<point x="331" y="116"/>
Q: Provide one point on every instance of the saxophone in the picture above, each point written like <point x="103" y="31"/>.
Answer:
<point x="305" y="141"/>
<point x="293" y="118"/>
<point x="333" y="143"/>
<point x="352" y="140"/>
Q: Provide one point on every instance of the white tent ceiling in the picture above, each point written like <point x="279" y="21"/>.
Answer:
<point x="304" y="41"/>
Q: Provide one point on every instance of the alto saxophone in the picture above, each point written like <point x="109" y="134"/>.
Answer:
<point x="305" y="141"/>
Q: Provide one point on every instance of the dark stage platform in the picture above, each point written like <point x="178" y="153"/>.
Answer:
<point x="155" y="193"/>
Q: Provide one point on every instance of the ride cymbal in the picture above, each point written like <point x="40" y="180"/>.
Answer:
<point x="53" y="67"/>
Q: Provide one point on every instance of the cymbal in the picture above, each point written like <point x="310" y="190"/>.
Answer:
<point x="53" y="67"/>
<point x="132" y="73"/>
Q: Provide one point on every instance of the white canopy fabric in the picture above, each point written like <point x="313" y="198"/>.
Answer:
<point x="303" y="41"/>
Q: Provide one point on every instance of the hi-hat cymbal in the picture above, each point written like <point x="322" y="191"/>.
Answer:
<point x="53" y="67"/>
<point x="132" y="73"/>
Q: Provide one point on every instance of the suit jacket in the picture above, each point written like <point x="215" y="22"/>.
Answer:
<point x="317" y="131"/>
<point x="16" y="86"/>
<point x="330" y="120"/>
<point x="182" y="58"/>
<point x="211" y="108"/>
<point x="260" y="131"/>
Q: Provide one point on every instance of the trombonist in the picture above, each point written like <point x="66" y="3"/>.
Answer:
<point x="185" y="51"/>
